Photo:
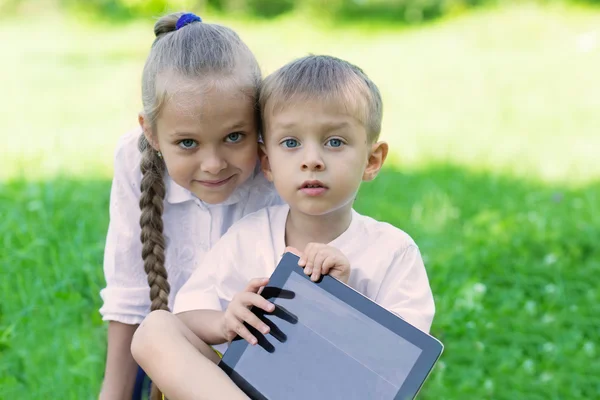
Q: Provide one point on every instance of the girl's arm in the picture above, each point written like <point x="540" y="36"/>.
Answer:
<point x="125" y="297"/>
<point x="121" y="368"/>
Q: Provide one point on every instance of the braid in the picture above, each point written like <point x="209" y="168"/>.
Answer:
<point x="153" y="241"/>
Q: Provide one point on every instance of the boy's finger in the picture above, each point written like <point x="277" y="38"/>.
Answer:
<point x="244" y="333"/>
<point x="320" y="256"/>
<point x="304" y="256"/>
<point x="319" y="259"/>
<point x="328" y="264"/>
<point x="255" y="284"/>
<point x="253" y="299"/>
<point x="252" y="320"/>
<point x="316" y="274"/>
<point x="290" y="249"/>
<point x="310" y="254"/>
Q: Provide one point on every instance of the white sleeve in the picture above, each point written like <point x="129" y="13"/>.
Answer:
<point x="126" y="295"/>
<point x="405" y="289"/>
<point x="217" y="278"/>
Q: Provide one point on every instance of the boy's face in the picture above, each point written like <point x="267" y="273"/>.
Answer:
<point x="317" y="155"/>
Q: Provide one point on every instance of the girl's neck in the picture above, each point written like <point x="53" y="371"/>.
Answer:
<point x="302" y="229"/>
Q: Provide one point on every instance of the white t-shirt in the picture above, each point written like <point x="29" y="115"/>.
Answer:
<point x="385" y="263"/>
<point x="191" y="228"/>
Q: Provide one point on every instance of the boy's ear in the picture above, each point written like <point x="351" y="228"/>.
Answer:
<point x="265" y="165"/>
<point x="147" y="129"/>
<point x="377" y="156"/>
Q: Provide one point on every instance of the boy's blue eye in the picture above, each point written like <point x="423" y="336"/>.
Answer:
<point x="335" y="142"/>
<point x="234" y="137"/>
<point x="290" y="143"/>
<point x="188" y="144"/>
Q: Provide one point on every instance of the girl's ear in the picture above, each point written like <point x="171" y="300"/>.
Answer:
<point x="148" y="133"/>
<point x="377" y="157"/>
<point x="265" y="165"/>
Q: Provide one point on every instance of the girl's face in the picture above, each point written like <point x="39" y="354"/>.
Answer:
<point x="208" y="140"/>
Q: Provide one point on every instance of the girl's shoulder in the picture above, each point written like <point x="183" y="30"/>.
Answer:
<point x="260" y="192"/>
<point x="127" y="156"/>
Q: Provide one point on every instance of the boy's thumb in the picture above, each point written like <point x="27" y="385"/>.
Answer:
<point x="290" y="249"/>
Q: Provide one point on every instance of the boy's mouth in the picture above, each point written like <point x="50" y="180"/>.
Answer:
<point x="313" y="188"/>
<point x="313" y="185"/>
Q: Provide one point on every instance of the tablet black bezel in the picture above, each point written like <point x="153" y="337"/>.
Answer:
<point x="431" y="348"/>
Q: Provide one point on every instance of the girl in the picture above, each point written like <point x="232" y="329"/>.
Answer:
<point x="196" y="172"/>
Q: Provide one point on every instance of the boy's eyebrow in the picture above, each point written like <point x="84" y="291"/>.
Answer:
<point x="329" y="126"/>
<point x="335" y="125"/>
<point x="287" y="125"/>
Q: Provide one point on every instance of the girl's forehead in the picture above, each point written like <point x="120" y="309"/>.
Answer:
<point x="213" y="112"/>
<point x="203" y="99"/>
<point x="172" y="82"/>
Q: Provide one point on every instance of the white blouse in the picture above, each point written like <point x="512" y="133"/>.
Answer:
<point x="191" y="228"/>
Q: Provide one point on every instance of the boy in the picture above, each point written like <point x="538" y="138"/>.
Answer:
<point x="321" y="122"/>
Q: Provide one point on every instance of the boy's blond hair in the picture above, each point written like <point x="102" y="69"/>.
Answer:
<point x="325" y="78"/>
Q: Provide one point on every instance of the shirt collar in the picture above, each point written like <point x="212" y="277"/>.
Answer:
<point x="177" y="194"/>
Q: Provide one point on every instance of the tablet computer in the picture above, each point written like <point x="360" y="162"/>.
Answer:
<point x="328" y="341"/>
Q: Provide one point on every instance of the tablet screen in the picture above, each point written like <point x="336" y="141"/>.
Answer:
<point x="327" y="351"/>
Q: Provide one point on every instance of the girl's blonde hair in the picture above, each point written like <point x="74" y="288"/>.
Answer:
<point x="194" y="52"/>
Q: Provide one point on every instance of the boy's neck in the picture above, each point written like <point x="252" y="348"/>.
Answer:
<point x="302" y="229"/>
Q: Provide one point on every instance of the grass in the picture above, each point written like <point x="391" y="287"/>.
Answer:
<point x="494" y="125"/>
<point x="510" y="262"/>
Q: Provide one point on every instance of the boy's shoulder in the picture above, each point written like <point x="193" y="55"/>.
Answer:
<point x="381" y="234"/>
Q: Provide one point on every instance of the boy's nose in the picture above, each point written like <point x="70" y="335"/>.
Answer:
<point x="313" y="162"/>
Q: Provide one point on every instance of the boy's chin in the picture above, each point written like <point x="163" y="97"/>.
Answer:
<point x="317" y="210"/>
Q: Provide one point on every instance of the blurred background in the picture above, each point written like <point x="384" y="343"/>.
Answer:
<point x="492" y="112"/>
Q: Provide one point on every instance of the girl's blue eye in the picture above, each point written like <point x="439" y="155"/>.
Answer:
<point x="188" y="144"/>
<point x="290" y="143"/>
<point x="335" y="142"/>
<point x="234" y="137"/>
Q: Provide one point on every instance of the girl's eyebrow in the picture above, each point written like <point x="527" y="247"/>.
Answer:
<point x="237" y="125"/>
<point x="182" y="134"/>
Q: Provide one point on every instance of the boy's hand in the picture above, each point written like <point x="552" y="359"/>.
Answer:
<point x="320" y="259"/>
<point x="239" y="312"/>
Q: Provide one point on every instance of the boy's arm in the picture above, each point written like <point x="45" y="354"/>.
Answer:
<point x="405" y="289"/>
<point x="121" y="368"/>
<point x="206" y="324"/>
<point x="216" y="327"/>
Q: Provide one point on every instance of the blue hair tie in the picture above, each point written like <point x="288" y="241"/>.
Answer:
<point x="185" y="19"/>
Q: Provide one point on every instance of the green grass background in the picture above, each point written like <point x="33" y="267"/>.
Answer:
<point x="494" y="123"/>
